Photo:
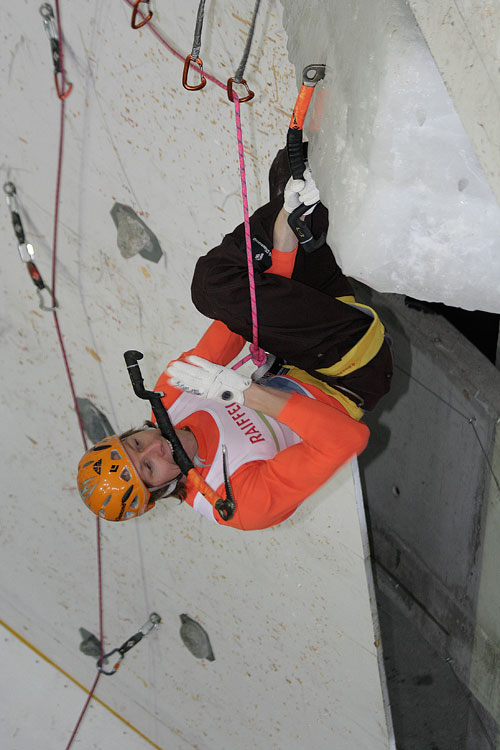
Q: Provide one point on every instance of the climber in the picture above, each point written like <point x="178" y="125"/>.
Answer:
<point x="289" y="427"/>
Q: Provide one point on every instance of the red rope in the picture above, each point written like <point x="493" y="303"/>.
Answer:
<point x="62" y="346"/>
<point x="257" y="354"/>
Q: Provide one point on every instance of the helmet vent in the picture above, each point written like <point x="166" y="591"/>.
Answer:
<point x="115" y="456"/>
<point x="106" y="501"/>
<point x="135" y="502"/>
<point x="125" y="475"/>
<point x="128" y="515"/>
<point x="127" y="494"/>
<point x="88" y="463"/>
<point x="101" y="447"/>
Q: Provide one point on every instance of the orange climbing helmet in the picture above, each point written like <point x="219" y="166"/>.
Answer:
<point x="109" y="484"/>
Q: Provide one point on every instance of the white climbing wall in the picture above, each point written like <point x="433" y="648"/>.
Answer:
<point x="287" y="610"/>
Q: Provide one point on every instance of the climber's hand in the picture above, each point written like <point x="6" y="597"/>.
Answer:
<point x="309" y="195"/>
<point x="301" y="192"/>
<point x="291" y="195"/>
<point x="208" y="380"/>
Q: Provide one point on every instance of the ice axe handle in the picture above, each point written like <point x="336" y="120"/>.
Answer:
<point x="295" y="153"/>
<point x="132" y="358"/>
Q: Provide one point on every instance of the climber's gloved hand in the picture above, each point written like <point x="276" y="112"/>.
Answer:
<point x="309" y="195"/>
<point x="208" y="380"/>
<point x="299" y="192"/>
<point x="291" y="195"/>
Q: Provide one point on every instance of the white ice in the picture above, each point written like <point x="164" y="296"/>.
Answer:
<point x="411" y="209"/>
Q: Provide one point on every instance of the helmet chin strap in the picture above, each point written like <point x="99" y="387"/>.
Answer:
<point x="170" y="486"/>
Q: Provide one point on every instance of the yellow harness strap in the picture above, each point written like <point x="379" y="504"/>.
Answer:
<point x="360" y="354"/>
<point x="304" y="377"/>
<point x="364" y="350"/>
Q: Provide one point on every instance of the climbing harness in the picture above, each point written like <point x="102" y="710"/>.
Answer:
<point x="145" y="19"/>
<point x="148" y="627"/>
<point x="238" y="76"/>
<point x="295" y="150"/>
<point x="56" y="47"/>
<point x="194" y="57"/>
<point x="26" y="250"/>
<point x="224" y="507"/>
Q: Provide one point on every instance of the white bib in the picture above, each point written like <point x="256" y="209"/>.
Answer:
<point x="247" y="434"/>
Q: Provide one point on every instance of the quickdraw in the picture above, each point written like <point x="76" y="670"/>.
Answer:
<point x="238" y="76"/>
<point x="295" y="150"/>
<point x="55" y="45"/>
<point x="224" y="507"/>
<point x="148" y="627"/>
<point x="145" y="19"/>
<point x="194" y="57"/>
<point x="26" y="250"/>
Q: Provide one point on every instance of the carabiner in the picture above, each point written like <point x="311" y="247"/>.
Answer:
<point x="62" y="94"/>
<point x="115" y="666"/>
<point x="230" y="82"/>
<point x="40" y="284"/>
<point x="41" y="303"/>
<point x="47" y="14"/>
<point x="152" y="622"/>
<point x="187" y="64"/>
<point x="26" y="250"/>
<point x="50" y="26"/>
<point x="145" y="20"/>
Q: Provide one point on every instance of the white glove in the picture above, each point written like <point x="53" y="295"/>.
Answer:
<point x="299" y="192"/>
<point x="309" y="195"/>
<point x="291" y="195"/>
<point x="208" y="380"/>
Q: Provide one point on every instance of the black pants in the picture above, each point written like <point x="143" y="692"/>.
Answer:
<point x="299" y="319"/>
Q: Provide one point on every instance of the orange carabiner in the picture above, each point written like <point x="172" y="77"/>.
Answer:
<point x="187" y="64"/>
<point x="230" y="82"/>
<point x="134" y="14"/>
<point x="69" y="87"/>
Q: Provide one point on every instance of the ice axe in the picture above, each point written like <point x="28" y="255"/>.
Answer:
<point x="224" y="507"/>
<point x="295" y="151"/>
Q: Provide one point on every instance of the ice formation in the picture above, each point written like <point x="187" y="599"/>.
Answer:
<point x="411" y="209"/>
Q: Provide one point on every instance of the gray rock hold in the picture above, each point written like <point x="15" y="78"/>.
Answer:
<point x="134" y="236"/>
<point x="95" y="423"/>
<point x="90" y="645"/>
<point x="195" y="638"/>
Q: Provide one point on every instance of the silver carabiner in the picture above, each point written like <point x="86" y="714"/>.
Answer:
<point x="151" y="624"/>
<point x="41" y="303"/>
<point x="49" y="21"/>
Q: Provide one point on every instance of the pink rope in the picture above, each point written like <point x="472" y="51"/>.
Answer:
<point x="257" y="354"/>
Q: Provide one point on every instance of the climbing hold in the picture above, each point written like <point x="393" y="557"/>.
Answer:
<point x="195" y="638"/>
<point x="95" y="423"/>
<point x="134" y="236"/>
<point x="90" y="645"/>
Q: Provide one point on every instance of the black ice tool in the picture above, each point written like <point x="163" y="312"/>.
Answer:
<point x="310" y="77"/>
<point x="224" y="507"/>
